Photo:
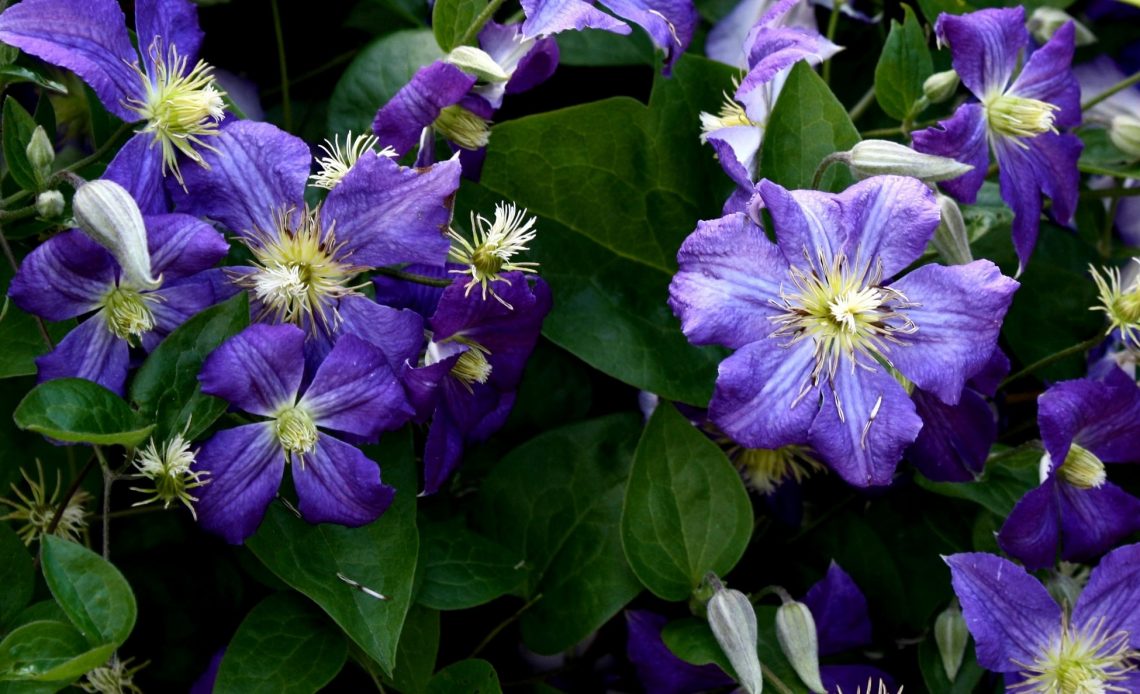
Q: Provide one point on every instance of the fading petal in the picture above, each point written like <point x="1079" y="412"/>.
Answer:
<point x="984" y="45"/>
<point x="842" y="620"/>
<point x="443" y="451"/>
<point x="537" y="66"/>
<point x="1009" y="613"/>
<point x="181" y="245"/>
<point x="256" y="172"/>
<point x="729" y="271"/>
<point x="773" y="52"/>
<point x="955" y="440"/>
<point x="878" y="422"/>
<point x="138" y="169"/>
<point x="1032" y="532"/>
<point x="963" y="138"/>
<point x="259" y="369"/>
<point x="958" y="317"/>
<point x="1112" y="594"/>
<point x="658" y="670"/>
<point x="755" y="391"/>
<point x="64" y="277"/>
<point x="89" y="351"/>
<point x="737" y="148"/>
<point x="244" y="467"/>
<point x="417" y="104"/>
<point x="726" y="40"/>
<point x="89" y="38"/>
<point x="890" y="218"/>
<point x="399" y="333"/>
<point x="1093" y="520"/>
<point x="1103" y="418"/>
<point x="549" y="17"/>
<point x="669" y="23"/>
<point x="805" y="221"/>
<point x="1048" y="76"/>
<point x="174" y="21"/>
<point x="386" y="214"/>
<point x="339" y="484"/>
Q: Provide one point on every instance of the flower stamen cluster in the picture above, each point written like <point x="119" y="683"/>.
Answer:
<point x="128" y="313"/>
<point x="494" y="244"/>
<point x="463" y="127"/>
<point x="338" y="160"/>
<point x="1122" y="306"/>
<point x="37" y="510"/>
<point x="1020" y="117"/>
<point x="1084" y="661"/>
<point x="296" y="431"/>
<point x="731" y="114"/>
<point x="116" y="677"/>
<point x="766" y="469"/>
<point x="170" y="468"/>
<point x="472" y="366"/>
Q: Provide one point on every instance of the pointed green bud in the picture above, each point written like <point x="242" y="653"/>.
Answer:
<point x="951" y="636"/>
<point x="733" y="623"/>
<point x="49" y="204"/>
<point x="1066" y="582"/>
<point x="951" y="239"/>
<point x="477" y="62"/>
<point x="795" y="629"/>
<point x="1045" y="21"/>
<point x="883" y="157"/>
<point x="41" y="154"/>
<point x="940" y="86"/>
<point x="1125" y="134"/>
<point x="107" y="213"/>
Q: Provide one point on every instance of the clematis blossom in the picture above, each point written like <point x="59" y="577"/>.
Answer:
<point x="1017" y="114"/>
<point x="822" y="321"/>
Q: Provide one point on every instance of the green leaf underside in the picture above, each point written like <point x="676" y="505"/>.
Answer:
<point x="74" y="409"/>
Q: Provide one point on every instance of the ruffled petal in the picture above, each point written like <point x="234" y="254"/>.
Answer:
<point x="1032" y="532"/>
<point x="962" y="137"/>
<point x="773" y="51"/>
<point x="549" y="17"/>
<point x="89" y="38"/>
<point x="64" y="277"/>
<point x="669" y="23"/>
<point x="985" y="46"/>
<point x="339" y="484"/>
<point x="729" y="271"/>
<point x="175" y="22"/>
<point x="386" y="214"/>
<point x="726" y="41"/>
<point x="737" y="148"/>
<point x="891" y="219"/>
<point x="842" y="620"/>
<point x="417" y="104"/>
<point x="181" y="245"/>
<point x="863" y="435"/>
<point x="805" y="221"/>
<point x="259" y="370"/>
<point x="1093" y="520"/>
<point x="955" y="440"/>
<point x="1009" y="613"/>
<point x="1047" y="76"/>
<point x="354" y="391"/>
<point x="90" y="351"/>
<point x="958" y="316"/>
<point x="1112" y="594"/>
<point x="244" y="467"/>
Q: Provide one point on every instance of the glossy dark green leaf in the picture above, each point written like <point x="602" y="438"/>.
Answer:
<point x="17" y="128"/>
<point x="452" y="19"/>
<point x="807" y="124"/>
<point x="166" y="387"/>
<point x="375" y="75"/>
<point x="416" y="654"/>
<point x="596" y="48"/>
<point x="473" y="676"/>
<point x="555" y="502"/>
<point x="48" y="651"/>
<point x="904" y="65"/>
<point x="463" y="569"/>
<point x="686" y="511"/>
<point x="932" y="8"/>
<point x="95" y="596"/>
<point x="73" y="409"/>
<point x="380" y="556"/>
<point x="285" y="644"/>
<point x="23" y="341"/>
<point x="17" y="576"/>
<point x="934" y="674"/>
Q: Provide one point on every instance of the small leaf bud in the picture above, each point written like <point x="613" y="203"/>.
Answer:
<point x="951" y="636"/>
<point x="733" y="623"/>
<point x="951" y="239"/>
<point x="41" y="154"/>
<point x="1045" y="21"/>
<point x="49" y="204"/>
<point x="1124" y="132"/>
<point x="940" y="86"/>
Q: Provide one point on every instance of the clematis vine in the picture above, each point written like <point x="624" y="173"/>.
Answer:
<point x="823" y="325"/>
<point x="1076" y="513"/>
<point x="1017" y="114"/>
<point x="1042" y="647"/>
<point x="353" y="393"/>
<point x="172" y="92"/>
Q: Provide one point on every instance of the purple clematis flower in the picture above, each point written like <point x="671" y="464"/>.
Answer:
<point x="305" y="260"/>
<point x="353" y="392"/>
<point x="169" y="89"/>
<point x="473" y="362"/>
<point x="1040" y="646"/>
<point x="1017" y="117"/>
<point x="820" y="321"/>
<point x="70" y="275"/>
<point x="1075" y="512"/>
<point x="728" y="39"/>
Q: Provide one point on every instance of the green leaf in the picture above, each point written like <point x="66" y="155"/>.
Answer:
<point x="74" y="409"/>
<point x="375" y="75"/>
<point x="381" y="556"/>
<point x="904" y="65"/>
<point x="452" y="19"/>
<point x="166" y="387"/>
<point x="416" y="654"/>
<point x="1002" y="484"/>
<point x="95" y="596"/>
<point x="934" y="675"/>
<point x="48" y="651"/>
<point x="472" y="676"/>
<point x="597" y="48"/>
<point x="932" y="8"/>
<point x="463" y="569"/>
<point x="13" y="74"/>
<point x="807" y="124"/>
<point x="561" y="517"/>
<point x="1101" y="157"/>
<point x="691" y="640"/>
<point x="23" y="341"/>
<point x="17" y="127"/>
<point x="686" y="510"/>
<point x="285" y="644"/>
<point x="17" y="576"/>
<point x="622" y="185"/>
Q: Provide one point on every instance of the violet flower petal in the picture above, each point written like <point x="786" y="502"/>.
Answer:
<point x="245" y="466"/>
<point x="339" y="484"/>
<point x="259" y="370"/>
<point x="962" y="137"/>
<point x="1032" y="531"/>
<point x="64" y="277"/>
<point x="842" y="620"/>
<point x="89" y="351"/>
<point x="1112" y="593"/>
<point x="418" y="103"/>
<point x="984" y="46"/>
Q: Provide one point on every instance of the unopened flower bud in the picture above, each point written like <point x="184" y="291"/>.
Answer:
<point x="107" y="213"/>
<point x="940" y="86"/>
<point x="951" y="636"/>
<point x="795" y="629"/>
<point x="951" y="239"/>
<point x="49" y="204"/>
<point x="1124" y="132"/>
<point x="477" y="62"/>
<point x="733" y="623"/>
<point x="41" y="154"/>
<point x="1045" y="21"/>
<point x="883" y="157"/>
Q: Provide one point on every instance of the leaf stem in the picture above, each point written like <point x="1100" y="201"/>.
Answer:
<point x="504" y="624"/>
<point x="882" y="132"/>
<point x="16" y="268"/>
<point x="833" y="158"/>
<point x="1119" y="86"/>
<point x="1120" y="192"/>
<point x="286" y="104"/>
<point x="108" y="481"/>
<point x="775" y="681"/>
<point x="413" y="277"/>
<point x="862" y="105"/>
<point x="832" y="26"/>
<point x="480" y="19"/>
<point x="1055" y="357"/>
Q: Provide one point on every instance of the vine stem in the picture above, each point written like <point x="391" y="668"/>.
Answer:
<point x="413" y="277"/>
<point x="1053" y="358"/>
<point x="833" y="158"/>
<point x="504" y="624"/>
<point x="108" y="481"/>
<point x="832" y="27"/>
<point x="862" y="105"/>
<point x="1120" y="192"/>
<point x="286" y="104"/>
<point x="480" y="19"/>
<point x="1119" y="86"/>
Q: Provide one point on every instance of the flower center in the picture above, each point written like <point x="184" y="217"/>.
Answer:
<point x="296" y="431"/>
<point x="169" y="468"/>
<point x="300" y="273"/>
<point x="463" y="127"/>
<point x="338" y="160"/>
<point x="493" y="246"/>
<point x="731" y="114"/>
<point x="1122" y="306"/>
<point x="766" y="469"/>
<point x="472" y="366"/>
<point x="1088" y="661"/>
<point x="1082" y="469"/>
<point x="1016" y="116"/>
<point x="180" y="107"/>
<point x="128" y="315"/>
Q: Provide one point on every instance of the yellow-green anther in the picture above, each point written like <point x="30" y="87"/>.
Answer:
<point x="1119" y="304"/>
<point x="127" y="312"/>
<point x="1124" y="132"/>
<point x="477" y="62"/>
<point x="296" y="431"/>
<point x="883" y="157"/>
<point x="951" y="239"/>
<point x="1018" y="116"/>
<point x="463" y="127"/>
<point x="795" y="630"/>
<point x="733" y="623"/>
<point x="472" y="366"/>
<point x="951" y="636"/>
<point x="940" y="86"/>
<point x="107" y="213"/>
<point x="49" y="204"/>
<point x="41" y="154"/>
<point x="1045" y="21"/>
<point x="1082" y="469"/>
